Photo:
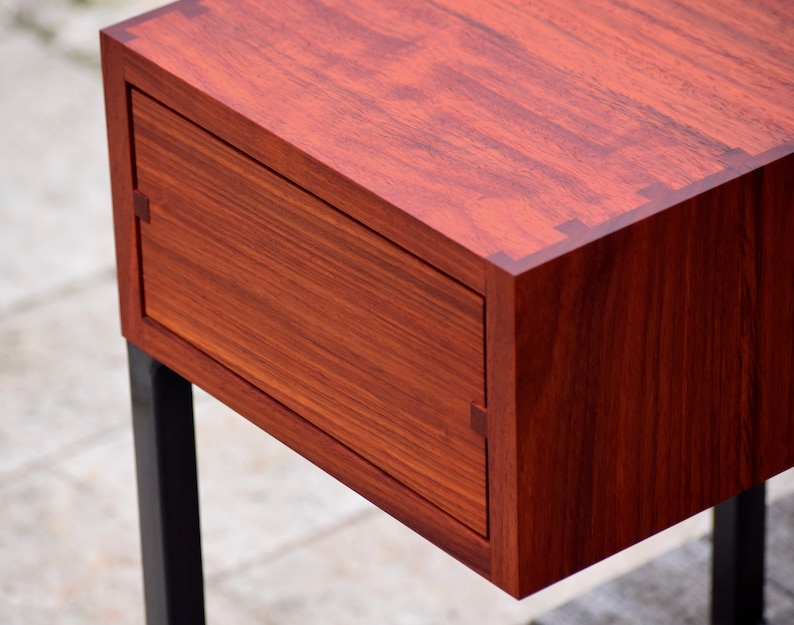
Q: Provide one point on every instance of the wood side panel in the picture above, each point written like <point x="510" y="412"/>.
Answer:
<point x="641" y="395"/>
<point x="316" y="446"/>
<point x="121" y="178"/>
<point x="359" y="337"/>
<point x="774" y="399"/>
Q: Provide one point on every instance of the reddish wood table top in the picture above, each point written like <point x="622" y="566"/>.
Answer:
<point x="503" y="126"/>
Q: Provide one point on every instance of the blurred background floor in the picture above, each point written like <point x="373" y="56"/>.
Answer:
<point x="283" y="543"/>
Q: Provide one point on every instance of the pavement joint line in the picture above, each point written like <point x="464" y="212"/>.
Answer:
<point x="311" y="538"/>
<point x="50" y="460"/>
<point x="66" y="289"/>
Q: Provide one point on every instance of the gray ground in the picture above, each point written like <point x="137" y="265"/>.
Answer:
<point x="284" y="544"/>
<point x="673" y="589"/>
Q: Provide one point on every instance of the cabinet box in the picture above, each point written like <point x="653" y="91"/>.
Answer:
<point x="522" y="277"/>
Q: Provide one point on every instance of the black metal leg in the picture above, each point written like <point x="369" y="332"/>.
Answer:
<point x="165" y="454"/>
<point x="738" y="562"/>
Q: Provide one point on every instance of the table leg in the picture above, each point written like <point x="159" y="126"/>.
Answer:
<point x="738" y="562"/>
<point x="165" y="455"/>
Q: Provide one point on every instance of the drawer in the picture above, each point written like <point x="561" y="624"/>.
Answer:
<point x="351" y="332"/>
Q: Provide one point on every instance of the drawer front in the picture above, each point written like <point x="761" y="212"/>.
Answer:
<point x="346" y="329"/>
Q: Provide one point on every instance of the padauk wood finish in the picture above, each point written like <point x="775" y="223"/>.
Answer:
<point x="614" y="184"/>
<point x="655" y="379"/>
<point x="496" y="123"/>
<point x="365" y="341"/>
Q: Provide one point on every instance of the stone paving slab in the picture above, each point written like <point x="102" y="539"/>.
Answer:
<point x="60" y="366"/>
<point x="54" y="184"/>
<point x="70" y="27"/>
<point x="674" y="589"/>
<point x="62" y="559"/>
<point x="372" y="571"/>
<point x="54" y="193"/>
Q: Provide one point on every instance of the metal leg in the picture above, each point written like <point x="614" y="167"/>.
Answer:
<point x="165" y="455"/>
<point x="738" y="562"/>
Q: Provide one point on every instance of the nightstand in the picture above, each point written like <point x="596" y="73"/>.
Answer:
<point x="520" y="275"/>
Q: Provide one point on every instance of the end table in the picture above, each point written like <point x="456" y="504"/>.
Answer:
<point x="519" y="274"/>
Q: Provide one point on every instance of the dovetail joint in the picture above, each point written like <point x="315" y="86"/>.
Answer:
<point x="141" y="206"/>
<point x="479" y="419"/>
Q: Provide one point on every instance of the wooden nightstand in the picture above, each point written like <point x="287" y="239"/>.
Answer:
<point x="521" y="275"/>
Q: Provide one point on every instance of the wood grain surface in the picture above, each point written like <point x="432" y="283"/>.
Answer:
<point x="365" y="341"/>
<point x="609" y="189"/>
<point x="122" y="184"/>
<point x="496" y="123"/>
<point x="653" y="382"/>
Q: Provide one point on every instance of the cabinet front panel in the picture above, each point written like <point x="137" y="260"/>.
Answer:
<point x="353" y="333"/>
